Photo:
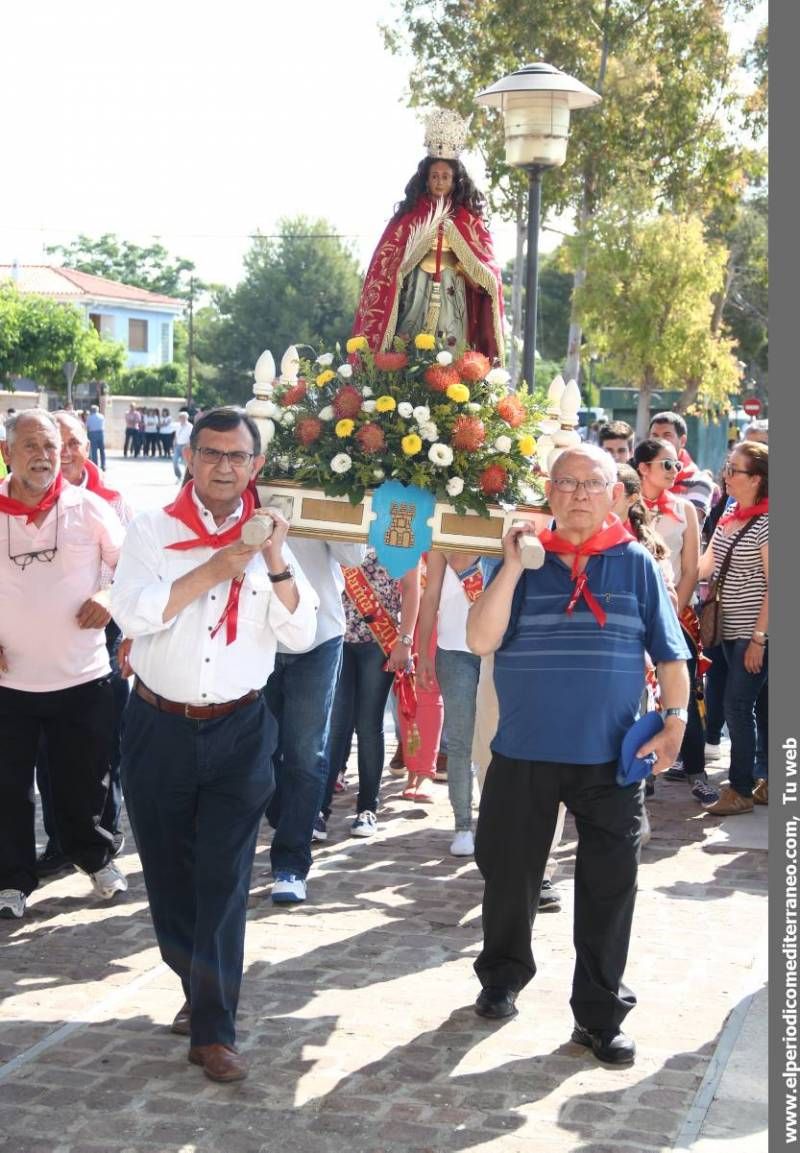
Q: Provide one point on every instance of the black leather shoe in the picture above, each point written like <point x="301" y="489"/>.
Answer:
<point x="610" y="1046"/>
<point x="496" y="1002"/>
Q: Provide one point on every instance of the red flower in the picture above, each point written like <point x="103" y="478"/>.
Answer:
<point x="370" y="437"/>
<point x="439" y="378"/>
<point x="308" y="430"/>
<point x="473" y="366"/>
<point x="468" y="433"/>
<point x="390" y="361"/>
<point x="493" y="480"/>
<point x="294" y="394"/>
<point x="347" y="402"/>
<point x="511" y="409"/>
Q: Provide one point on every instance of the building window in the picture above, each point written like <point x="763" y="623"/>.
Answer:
<point x="137" y="335"/>
<point x="165" y="357"/>
<point x="96" y="321"/>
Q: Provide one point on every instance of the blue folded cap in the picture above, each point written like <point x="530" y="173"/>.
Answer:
<point x="630" y="767"/>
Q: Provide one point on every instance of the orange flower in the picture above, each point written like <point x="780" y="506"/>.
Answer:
<point x="370" y="437"/>
<point x="390" y="361"/>
<point x="294" y="394"/>
<point x="511" y="409"/>
<point x="468" y="433"/>
<point x="493" y="480"/>
<point x="439" y="378"/>
<point x="347" y="401"/>
<point x="307" y="430"/>
<point x="473" y="366"/>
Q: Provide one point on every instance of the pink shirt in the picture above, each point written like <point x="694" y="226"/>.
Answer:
<point x="43" y="645"/>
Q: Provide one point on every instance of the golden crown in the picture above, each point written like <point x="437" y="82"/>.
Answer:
<point x="445" y="134"/>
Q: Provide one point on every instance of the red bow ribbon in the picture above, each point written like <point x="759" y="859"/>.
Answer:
<point x="30" y="512"/>
<point x="94" y="483"/>
<point x="184" y="509"/>
<point x="612" y="532"/>
<point x="737" y="513"/>
<point x="664" y="504"/>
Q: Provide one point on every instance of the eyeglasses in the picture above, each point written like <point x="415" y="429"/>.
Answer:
<point x="23" y="559"/>
<point x="669" y="465"/>
<point x="729" y="470"/>
<point x="592" y="487"/>
<point x="214" y="456"/>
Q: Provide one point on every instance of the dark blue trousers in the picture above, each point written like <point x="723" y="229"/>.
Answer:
<point x="195" y="793"/>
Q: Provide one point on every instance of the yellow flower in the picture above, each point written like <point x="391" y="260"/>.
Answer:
<point x="385" y="404"/>
<point x="345" y="427"/>
<point x="411" y="444"/>
<point x="527" y="445"/>
<point x="325" y="376"/>
<point x="356" y="344"/>
<point x="459" y="393"/>
<point x="424" y="341"/>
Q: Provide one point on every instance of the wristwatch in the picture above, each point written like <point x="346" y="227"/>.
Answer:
<point x="681" y="714"/>
<point x="286" y="575"/>
<point x="406" y="639"/>
<point x="758" y="637"/>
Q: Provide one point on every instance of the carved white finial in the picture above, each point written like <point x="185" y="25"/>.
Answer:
<point x="265" y="368"/>
<point x="555" y="392"/>
<point x="290" y="365"/>
<point x="570" y="403"/>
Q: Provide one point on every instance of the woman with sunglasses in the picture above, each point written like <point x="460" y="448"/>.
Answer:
<point x="657" y="464"/>
<point x="745" y="617"/>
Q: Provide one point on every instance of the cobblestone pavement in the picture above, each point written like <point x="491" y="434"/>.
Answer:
<point x="356" y="1012"/>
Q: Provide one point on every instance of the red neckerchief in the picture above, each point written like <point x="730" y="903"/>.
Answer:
<point x="94" y="483"/>
<point x="737" y="513"/>
<point x="612" y="532"/>
<point x="31" y="511"/>
<point x="664" y="504"/>
<point x="688" y="468"/>
<point x="185" y="510"/>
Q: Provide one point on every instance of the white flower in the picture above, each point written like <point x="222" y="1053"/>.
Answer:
<point x="341" y="463"/>
<point x="267" y="430"/>
<point x="440" y="455"/>
<point x="345" y="371"/>
<point x="498" y="376"/>
<point x="429" y="431"/>
<point x="283" y="462"/>
<point x="455" y="486"/>
<point x="288" y="419"/>
<point x="503" y="444"/>
<point x="368" y="406"/>
<point x="472" y="407"/>
<point x="325" y="359"/>
<point x="326" y="413"/>
<point x="366" y="390"/>
<point x="405" y="409"/>
<point x="378" y="473"/>
<point x="422" y="414"/>
<point x="444" y="358"/>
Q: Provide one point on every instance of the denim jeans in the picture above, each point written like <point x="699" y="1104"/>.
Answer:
<point x="694" y="738"/>
<point x="457" y="673"/>
<point x="300" y="695"/>
<point x="716" y="679"/>
<point x="97" y="448"/>
<point x="742" y="692"/>
<point x="177" y="459"/>
<point x="358" y="707"/>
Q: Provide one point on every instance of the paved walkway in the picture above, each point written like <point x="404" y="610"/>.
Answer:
<point x="357" y="1014"/>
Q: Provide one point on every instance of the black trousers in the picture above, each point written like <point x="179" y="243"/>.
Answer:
<point x="195" y="793"/>
<point x="519" y="805"/>
<point x="77" y="724"/>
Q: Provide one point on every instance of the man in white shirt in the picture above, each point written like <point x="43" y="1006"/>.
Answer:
<point x="54" y="670"/>
<point x="205" y="611"/>
<point x="183" y="434"/>
<point x="96" y="428"/>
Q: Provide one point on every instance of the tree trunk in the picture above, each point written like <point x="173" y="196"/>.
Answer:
<point x="516" y="296"/>
<point x="692" y="387"/>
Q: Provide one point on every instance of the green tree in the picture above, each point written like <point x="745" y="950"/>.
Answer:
<point x="665" y="130"/>
<point x="149" y="267"/>
<point x="38" y="336"/>
<point x="299" y="288"/>
<point x="648" y="306"/>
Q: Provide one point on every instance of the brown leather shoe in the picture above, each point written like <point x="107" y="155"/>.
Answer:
<point x="219" y="1062"/>
<point x="761" y="792"/>
<point x="182" y="1025"/>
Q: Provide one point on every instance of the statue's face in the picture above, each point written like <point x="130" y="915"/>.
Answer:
<point x="440" y="179"/>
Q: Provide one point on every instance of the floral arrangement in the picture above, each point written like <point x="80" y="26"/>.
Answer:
<point x="420" y="413"/>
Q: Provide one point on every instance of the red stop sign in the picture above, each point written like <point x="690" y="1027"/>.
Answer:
<point x="752" y="406"/>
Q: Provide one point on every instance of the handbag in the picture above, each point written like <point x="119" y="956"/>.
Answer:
<point x="710" y="611"/>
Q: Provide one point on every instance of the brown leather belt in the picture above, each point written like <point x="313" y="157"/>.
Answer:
<point x="193" y="712"/>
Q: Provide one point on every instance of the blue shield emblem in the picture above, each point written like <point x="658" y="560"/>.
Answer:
<point x="400" y="532"/>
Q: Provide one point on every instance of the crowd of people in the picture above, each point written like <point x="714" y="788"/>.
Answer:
<point x="192" y="660"/>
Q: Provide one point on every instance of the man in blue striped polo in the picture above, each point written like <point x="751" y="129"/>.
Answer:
<point x="569" y="640"/>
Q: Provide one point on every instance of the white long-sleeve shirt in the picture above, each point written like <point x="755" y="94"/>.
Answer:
<point x="322" y="563"/>
<point x="178" y="659"/>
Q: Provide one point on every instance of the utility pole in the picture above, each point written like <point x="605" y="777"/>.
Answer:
<point x="190" y="372"/>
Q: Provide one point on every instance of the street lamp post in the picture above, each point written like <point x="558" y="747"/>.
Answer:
<point x="536" y="101"/>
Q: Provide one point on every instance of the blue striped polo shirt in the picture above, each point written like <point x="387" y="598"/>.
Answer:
<point x="569" y="690"/>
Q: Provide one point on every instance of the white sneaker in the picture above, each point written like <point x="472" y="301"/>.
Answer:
<point x="365" y="825"/>
<point x="12" y="903"/>
<point x="288" y="889"/>
<point x="713" y="752"/>
<point x="463" y="844"/>
<point x="645" y="832"/>
<point x="108" y="881"/>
